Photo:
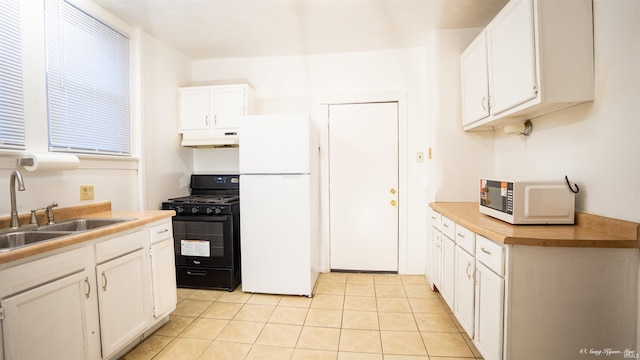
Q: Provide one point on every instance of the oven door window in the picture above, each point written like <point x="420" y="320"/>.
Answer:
<point x="204" y="242"/>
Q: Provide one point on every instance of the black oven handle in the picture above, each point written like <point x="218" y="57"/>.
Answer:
<point x="197" y="272"/>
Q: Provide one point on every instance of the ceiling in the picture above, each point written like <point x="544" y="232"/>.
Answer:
<point x="208" y="29"/>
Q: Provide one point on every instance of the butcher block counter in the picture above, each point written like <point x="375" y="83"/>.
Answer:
<point x="94" y="210"/>
<point x="588" y="231"/>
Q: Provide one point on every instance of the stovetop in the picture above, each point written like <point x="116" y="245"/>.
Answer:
<point x="210" y="195"/>
<point x="206" y="199"/>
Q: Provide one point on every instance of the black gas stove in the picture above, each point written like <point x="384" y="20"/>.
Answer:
<point x="206" y="231"/>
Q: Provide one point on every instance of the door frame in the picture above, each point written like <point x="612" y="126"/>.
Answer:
<point x="401" y="99"/>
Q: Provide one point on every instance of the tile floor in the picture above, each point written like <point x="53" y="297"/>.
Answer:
<point x="351" y="316"/>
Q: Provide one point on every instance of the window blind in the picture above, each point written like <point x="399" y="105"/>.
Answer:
<point x="87" y="83"/>
<point x="11" y="101"/>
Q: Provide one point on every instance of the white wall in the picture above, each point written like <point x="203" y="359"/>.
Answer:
<point x="459" y="158"/>
<point x="302" y="83"/>
<point x="596" y="144"/>
<point x="167" y="166"/>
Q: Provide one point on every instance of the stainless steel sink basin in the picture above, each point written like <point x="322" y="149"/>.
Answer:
<point x="81" y="224"/>
<point x="18" y="239"/>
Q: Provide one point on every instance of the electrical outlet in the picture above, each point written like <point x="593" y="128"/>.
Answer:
<point x="86" y="192"/>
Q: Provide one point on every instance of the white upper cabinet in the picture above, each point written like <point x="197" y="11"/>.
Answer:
<point x="194" y="109"/>
<point x="512" y="64"/>
<point x="537" y="58"/>
<point x="475" y="82"/>
<point x="208" y="107"/>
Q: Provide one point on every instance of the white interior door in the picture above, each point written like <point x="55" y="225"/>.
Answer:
<point x="363" y="186"/>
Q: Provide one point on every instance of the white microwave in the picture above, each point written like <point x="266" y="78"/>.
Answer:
<point x="527" y="201"/>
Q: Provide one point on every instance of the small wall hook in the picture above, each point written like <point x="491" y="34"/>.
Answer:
<point x="576" y="190"/>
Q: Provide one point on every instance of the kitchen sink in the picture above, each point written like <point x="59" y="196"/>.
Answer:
<point x="81" y="224"/>
<point x="17" y="239"/>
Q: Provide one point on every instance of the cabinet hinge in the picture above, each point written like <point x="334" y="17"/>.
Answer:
<point x="1" y="314"/>
<point x="535" y="89"/>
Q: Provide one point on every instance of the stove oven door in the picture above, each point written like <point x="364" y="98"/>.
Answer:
<point x="203" y="241"/>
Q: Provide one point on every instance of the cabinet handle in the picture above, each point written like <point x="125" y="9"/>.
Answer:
<point x="484" y="103"/>
<point x="162" y="231"/>
<point x="485" y="251"/>
<point x="460" y="235"/>
<point x="86" y="282"/>
<point x="215" y="119"/>
<point x="445" y="225"/>
<point x="467" y="271"/>
<point x="104" y="282"/>
<point x="206" y="120"/>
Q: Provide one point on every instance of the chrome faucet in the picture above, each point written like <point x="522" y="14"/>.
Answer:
<point x="15" y="175"/>
<point x="49" y="210"/>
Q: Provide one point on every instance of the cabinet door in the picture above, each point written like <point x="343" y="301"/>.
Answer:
<point x="475" y="81"/>
<point x="163" y="272"/>
<point x="489" y="326"/>
<point x="123" y="298"/>
<point x="228" y="103"/>
<point x="53" y="321"/>
<point x="464" y="288"/>
<point x="436" y="258"/>
<point x="448" y="270"/>
<point x="194" y="109"/>
<point x="512" y="56"/>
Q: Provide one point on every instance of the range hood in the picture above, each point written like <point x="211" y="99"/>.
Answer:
<point x="219" y="137"/>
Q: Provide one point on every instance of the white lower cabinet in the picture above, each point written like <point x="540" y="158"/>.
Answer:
<point x="163" y="270"/>
<point x="123" y="299"/>
<point x="93" y="301"/>
<point x="527" y="302"/>
<point x="448" y="270"/>
<point x="489" y="311"/>
<point x="50" y="319"/>
<point x="436" y="258"/>
<point x="470" y="281"/>
<point x="464" y="289"/>
<point x="50" y="302"/>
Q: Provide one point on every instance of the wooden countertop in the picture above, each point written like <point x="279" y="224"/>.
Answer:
<point x="588" y="231"/>
<point x="94" y="210"/>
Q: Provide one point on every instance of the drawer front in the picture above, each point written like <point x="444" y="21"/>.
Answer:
<point x="466" y="239"/>
<point x="38" y="272"/>
<point x="112" y="248"/>
<point x="491" y="254"/>
<point x="435" y="219"/>
<point x="160" y="232"/>
<point x="449" y="228"/>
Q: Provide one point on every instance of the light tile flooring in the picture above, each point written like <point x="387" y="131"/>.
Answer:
<point x="351" y="316"/>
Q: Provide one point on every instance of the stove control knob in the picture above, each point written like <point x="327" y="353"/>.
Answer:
<point x="213" y="210"/>
<point x="194" y="210"/>
<point x="179" y="209"/>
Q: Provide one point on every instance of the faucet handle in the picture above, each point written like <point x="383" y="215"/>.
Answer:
<point x="34" y="217"/>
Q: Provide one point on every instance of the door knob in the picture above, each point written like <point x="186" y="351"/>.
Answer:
<point x="393" y="191"/>
<point x="394" y="203"/>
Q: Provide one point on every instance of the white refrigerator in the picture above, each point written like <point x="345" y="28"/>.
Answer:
<point x="279" y="204"/>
